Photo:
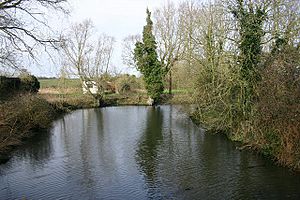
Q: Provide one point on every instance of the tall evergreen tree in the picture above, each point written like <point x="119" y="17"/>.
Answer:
<point x="146" y="58"/>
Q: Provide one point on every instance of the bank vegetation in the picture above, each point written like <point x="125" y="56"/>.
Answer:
<point x="22" y="111"/>
<point x="240" y="61"/>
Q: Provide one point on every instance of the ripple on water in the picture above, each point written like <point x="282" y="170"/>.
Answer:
<point x="139" y="153"/>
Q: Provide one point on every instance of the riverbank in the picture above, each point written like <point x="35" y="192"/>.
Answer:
<point x="70" y="95"/>
<point x="277" y="139"/>
<point x="21" y="116"/>
<point x="24" y="114"/>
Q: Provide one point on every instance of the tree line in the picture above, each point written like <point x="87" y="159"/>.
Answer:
<point x="241" y="59"/>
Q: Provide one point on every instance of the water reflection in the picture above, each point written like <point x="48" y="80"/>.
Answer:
<point x="146" y="154"/>
<point x="36" y="150"/>
<point x="139" y="153"/>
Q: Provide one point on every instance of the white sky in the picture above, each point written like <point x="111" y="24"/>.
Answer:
<point x="117" y="18"/>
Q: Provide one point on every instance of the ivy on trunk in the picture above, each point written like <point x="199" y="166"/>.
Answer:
<point x="146" y="58"/>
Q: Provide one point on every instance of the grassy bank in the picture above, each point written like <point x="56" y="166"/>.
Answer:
<point x="68" y="94"/>
<point x="21" y="116"/>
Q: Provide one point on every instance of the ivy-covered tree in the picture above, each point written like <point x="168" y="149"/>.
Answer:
<point x="250" y="17"/>
<point x="147" y="62"/>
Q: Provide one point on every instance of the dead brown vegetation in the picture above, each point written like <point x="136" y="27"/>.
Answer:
<point x="21" y="116"/>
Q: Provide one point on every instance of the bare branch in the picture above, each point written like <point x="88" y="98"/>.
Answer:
<point x="88" y="58"/>
<point x="23" y="25"/>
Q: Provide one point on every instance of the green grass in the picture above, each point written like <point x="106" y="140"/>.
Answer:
<point x="56" y="83"/>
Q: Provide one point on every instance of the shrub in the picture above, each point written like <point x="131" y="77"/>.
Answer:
<point x="214" y="98"/>
<point x="22" y="115"/>
<point x="9" y="86"/>
<point x="29" y="83"/>
<point x="126" y="83"/>
<point x="277" y="120"/>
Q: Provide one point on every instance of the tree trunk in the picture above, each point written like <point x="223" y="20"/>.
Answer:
<point x="101" y="102"/>
<point x="170" y="82"/>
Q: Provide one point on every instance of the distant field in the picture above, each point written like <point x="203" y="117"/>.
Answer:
<point x="55" y="88"/>
<point x="58" y="83"/>
<point x="70" y="91"/>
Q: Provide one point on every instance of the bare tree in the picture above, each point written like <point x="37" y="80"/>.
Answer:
<point x="169" y="37"/>
<point x="24" y="28"/>
<point x="128" y="46"/>
<point x="87" y="57"/>
<point x="283" y="23"/>
<point x="189" y="12"/>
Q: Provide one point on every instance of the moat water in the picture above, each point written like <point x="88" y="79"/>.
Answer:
<point x="138" y="152"/>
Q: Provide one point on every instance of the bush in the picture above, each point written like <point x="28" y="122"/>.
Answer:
<point x="273" y="123"/>
<point x="29" y="83"/>
<point x="277" y="120"/>
<point x="214" y="98"/>
<point x="126" y="83"/>
<point x="9" y="86"/>
<point x="22" y="115"/>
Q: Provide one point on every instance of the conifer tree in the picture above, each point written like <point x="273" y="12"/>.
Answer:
<point x="147" y="62"/>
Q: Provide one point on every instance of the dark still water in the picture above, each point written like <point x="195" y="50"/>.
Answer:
<point x="139" y="153"/>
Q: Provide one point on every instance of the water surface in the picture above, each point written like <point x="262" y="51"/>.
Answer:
<point x="139" y="153"/>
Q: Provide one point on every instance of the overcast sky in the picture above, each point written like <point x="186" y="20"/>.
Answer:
<point x="118" y="18"/>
